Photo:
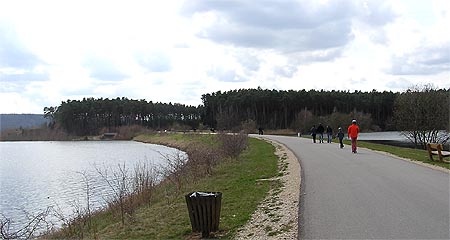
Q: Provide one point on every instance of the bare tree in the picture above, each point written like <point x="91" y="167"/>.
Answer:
<point x="422" y="114"/>
<point x="303" y="121"/>
<point x="227" y="120"/>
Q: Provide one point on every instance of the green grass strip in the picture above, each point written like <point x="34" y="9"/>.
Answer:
<point x="409" y="153"/>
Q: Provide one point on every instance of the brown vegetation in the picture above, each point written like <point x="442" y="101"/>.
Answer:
<point x="45" y="133"/>
<point x="35" y="134"/>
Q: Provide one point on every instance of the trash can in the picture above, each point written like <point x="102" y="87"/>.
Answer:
<point x="204" y="211"/>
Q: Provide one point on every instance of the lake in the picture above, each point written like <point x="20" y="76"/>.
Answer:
<point x="382" y="136"/>
<point x="393" y="138"/>
<point x="36" y="175"/>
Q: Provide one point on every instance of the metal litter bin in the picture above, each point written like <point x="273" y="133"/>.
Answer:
<point x="204" y="211"/>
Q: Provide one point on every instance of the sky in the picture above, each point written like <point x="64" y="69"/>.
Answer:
<point x="177" y="50"/>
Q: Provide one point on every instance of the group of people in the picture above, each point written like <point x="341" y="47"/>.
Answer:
<point x="352" y="133"/>
<point x="320" y="130"/>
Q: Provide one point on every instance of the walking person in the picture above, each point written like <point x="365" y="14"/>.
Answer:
<point x="340" y="136"/>
<point x="353" y="131"/>
<point x="313" y="133"/>
<point x="329" y="134"/>
<point x="320" y="130"/>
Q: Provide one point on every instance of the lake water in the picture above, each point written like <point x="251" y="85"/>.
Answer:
<point x="36" y="175"/>
<point x="382" y="136"/>
<point x="393" y="138"/>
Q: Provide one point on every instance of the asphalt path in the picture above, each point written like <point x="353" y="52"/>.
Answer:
<point x="368" y="195"/>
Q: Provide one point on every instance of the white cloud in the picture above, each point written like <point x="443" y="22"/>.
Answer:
<point x="423" y="61"/>
<point x="154" y="61"/>
<point x="15" y="102"/>
<point x="285" y="25"/>
<point x="175" y="51"/>
<point x="103" y="69"/>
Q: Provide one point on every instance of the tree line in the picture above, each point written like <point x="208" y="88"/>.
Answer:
<point x="90" y="116"/>
<point x="268" y="109"/>
<point x="274" y="109"/>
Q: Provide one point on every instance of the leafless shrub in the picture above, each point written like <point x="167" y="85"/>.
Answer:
<point x="78" y="223"/>
<point x="144" y="181"/>
<point x="233" y="144"/>
<point x="67" y="222"/>
<point x="202" y="159"/>
<point x="174" y="168"/>
<point x="83" y="215"/>
<point x="35" y="224"/>
<point x="249" y="126"/>
<point x="88" y="190"/>
<point x="79" y="220"/>
<point x="427" y="136"/>
<point x="120" y="185"/>
<point x="127" y="191"/>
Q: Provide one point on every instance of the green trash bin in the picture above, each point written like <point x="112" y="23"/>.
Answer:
<point x="204" y="211"/>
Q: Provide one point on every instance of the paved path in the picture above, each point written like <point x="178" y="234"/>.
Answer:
<point x="368" y="195"/>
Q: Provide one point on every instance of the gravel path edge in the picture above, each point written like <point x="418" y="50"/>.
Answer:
<point x="276" y="216"/>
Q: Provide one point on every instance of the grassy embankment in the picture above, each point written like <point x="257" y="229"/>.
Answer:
<point x="408" y="153"/>
<point x="167" y="217"/>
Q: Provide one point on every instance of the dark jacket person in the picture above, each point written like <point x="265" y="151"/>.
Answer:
<point x="320" y="130"/>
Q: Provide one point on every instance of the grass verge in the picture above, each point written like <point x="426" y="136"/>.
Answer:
<point x="409" y="153"/>
<point x="166" y="217"/>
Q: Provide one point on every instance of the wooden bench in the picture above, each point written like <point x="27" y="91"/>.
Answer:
<point x="436" y="149"/>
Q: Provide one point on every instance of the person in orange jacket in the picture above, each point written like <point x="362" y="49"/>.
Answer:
<point x="353" y="131"/>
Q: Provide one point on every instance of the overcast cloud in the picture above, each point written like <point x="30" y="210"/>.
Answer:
<point x="103" y="69"/>
<point x="423" y="61"/>
<point x="175" y="51"/>
<point x="281" y="25"/>
<point x="13" y="53"/>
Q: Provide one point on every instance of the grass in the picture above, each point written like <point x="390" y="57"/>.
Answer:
<point x="167" y="217"/>
<point x="409" y="153"/>
<point x="178" y="139"/>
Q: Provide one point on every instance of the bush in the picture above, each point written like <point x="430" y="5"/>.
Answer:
<point x="249" y="126"/>
<point x="202" y="159"/>
<point x="233" y="144"/>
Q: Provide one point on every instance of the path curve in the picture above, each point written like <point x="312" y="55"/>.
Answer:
<point x="368" y="195"/>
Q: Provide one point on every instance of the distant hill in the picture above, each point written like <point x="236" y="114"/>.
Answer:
<point x="13" y="121"/>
